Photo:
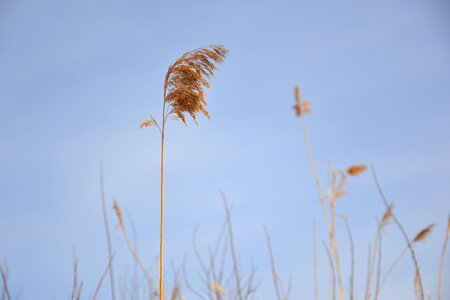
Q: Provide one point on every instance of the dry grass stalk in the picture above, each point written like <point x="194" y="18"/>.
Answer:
<point x="212" y="271"/>
<point x="189" y="286"/>
<point x="387" y="216"/>
<point x="108" y="267"/>
<point x="369" y="274"/>
<point x="403" y="232"/>
<point x="76" y="288"/>
<point x="184" y="94"/>
<point x="131" y="247"/>
<point x="421" y="236"/>
<point x="352" y="257"/>
<point x="4" y="274"/>
<point x="335" y="190"/>
<point x="280" y="292"/>
<point x="316" y="270"/>
<point x="333" y="273"/>
<point x="378" y="278"/>
<point x="107" y="233"/>
<point x="417" y="285"/>
<point x="312" y="161"/>
<point x="441" y="264"/>
<point x="233" y="249"/>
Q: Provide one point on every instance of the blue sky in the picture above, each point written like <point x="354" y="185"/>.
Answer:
<point x="77" y="78"/>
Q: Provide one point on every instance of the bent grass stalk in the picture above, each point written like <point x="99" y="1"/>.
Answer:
<point x="418" y="278"/>
<point x="441" y="264"/>
<point x="184" y="94"/>
<point x="4" y="274"/>
<point x="335" y="191"/>
<point x="131" y="247"/>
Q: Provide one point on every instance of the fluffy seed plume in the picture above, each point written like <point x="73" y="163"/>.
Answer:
<point x="187" y="78"/>
<point x="422" y="235"/>
<point x="355" y="170"/>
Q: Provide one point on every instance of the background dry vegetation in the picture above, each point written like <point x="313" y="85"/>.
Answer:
<point x="336" y="189"/>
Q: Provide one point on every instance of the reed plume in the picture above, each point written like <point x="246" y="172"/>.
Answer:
<point x="184" y="94"/>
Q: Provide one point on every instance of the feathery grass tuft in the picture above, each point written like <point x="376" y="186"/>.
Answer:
<point x="188" y="76"/>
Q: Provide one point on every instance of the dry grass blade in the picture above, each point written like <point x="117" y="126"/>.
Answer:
<point x="4" y="274"/>
<point x="441" y="264"/>
<point x="188" y="285"/>
<point x="275" y="276"/>
<point x="188" y="76"/>
<point x="76" y="289"/>
<point x="131" y="247"/>
<point x="333" y="272"/>
<point x="316" y="272"/>
<point x="402" y="230"/>
<point x="352" y="257"/>
<point x="423" y="234"/>
<point x="107" y="232"/>
<point x="108" y="267"/>
<point x="417" y="285"/>
<point x="232" y="248"/>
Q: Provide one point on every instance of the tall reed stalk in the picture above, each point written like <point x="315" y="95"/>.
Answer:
<point x="184" y="95"/>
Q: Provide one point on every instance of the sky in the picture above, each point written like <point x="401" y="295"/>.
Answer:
<point x="78" y="77"/>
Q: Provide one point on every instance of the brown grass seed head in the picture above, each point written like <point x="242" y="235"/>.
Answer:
<point x="302" y="106"/>
<point x="387" y="216"/>
<point x="146" y="124"/>
<point x="423" y="234"/>
<point x="118" y="211"/>
<point x="355" y="170"/>
<point x="187" y="78"/>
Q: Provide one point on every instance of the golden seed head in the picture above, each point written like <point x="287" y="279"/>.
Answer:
<point x="146" y="124"/>
<point x="218" y="289"/>
<point x="422" y="235"/>
<point x="302" y="106"/>
<point x="355" y="170"/>
<point x="188" y="76"/>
